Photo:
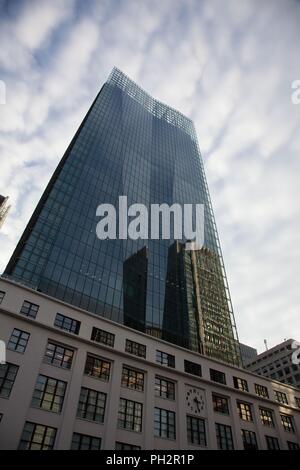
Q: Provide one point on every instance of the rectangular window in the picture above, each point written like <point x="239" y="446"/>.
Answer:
<point x="84" y="442"/>
<point x="272" y="443"/>
<point x="192" y="368"/>
<point x="249" y="440"/>
<point x="49" y="394"/>
<point x="281" y="397"/>
<point x="67" y="323"/>
<point x="97" y="367"/>
<point x="165" y="359"/>
<point x="37" y="437"/>
<point x="287" y="423"/>
<point x="244" y="410"/>
<point x="220" y="404"/>
<point x="8" y="373"/>
<point x="240" y="384"/>
<point x="224" y="437"/>
<point x="217" y="376"/>
<point x="261" y="391"/>
<point x="123" y="446"/>
<point x="133" y="379"/>
<point x="196" y="431"/>
<point x="2" y="294"/>
<point x="164" y="423"/>
<point x="164" y="388"/>
<point x="134" y="348"/>
<point x="297" y="402"/>
<point x="266" y="417"/>
<point x="91" y="405"/>
<point x="29" y="309"/>
<point x="130" y="415"/>
<point x="293" y="445"/>
<point x="18" y="341"/>
<point x="103" y="337"/>
<point x="58" y="355"/>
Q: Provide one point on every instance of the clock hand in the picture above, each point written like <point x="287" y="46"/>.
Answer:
<point x="197" y="403"/>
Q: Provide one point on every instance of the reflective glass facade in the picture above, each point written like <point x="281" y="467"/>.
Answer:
<point x="130" y="144"/>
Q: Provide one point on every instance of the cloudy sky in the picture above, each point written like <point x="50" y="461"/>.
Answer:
<point x="228" y="65"/>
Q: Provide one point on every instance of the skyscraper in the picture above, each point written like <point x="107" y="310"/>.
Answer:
<point x="130" y="144"/>
<point x="248" y="353"/>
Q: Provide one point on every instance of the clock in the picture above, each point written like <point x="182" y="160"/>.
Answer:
<point x="195" y="400"/>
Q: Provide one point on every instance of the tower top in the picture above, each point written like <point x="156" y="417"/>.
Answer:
<point x="155" y="107"/>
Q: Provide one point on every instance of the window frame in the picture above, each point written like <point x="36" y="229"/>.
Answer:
<point x="132" y="373"/>
<point x="164" y="419"/>
<point x="134" y="419"/>
<point x="61" y="323"/>
<point x="31" y="442"/>
<point x="192" y="368"/>
<point x="217" y="376"/>
<point x="281" y="397"/>
<point x="99" y="407"/>
<point x="2" y="295"/>
<point x="251" y="434"/>
<point x="124" y="446"/>
<point x="104" y="373"/>
<point x="4" y="380"/>
<point x="245" y="411"/>
<point x="29" y="310"/>
<point x="227" y="438"/>
<point x="165" y="359"/>
<point x="19" y="339"/>
<point x="41" y="395"/>
<point x="293" y="445"/>
<point x="287" y="423"/>
<point x="265" y="414"/>
<point x="55" y="357"/>
<point x="199" y="433"/>
<point x="216" y="407"/>
<point x="273" y="440"/>
<point x="136" y="349"/>
<point x="103" y="337"/>
<point x="81" y="436"/>
<point x="159" y="385"/>
<point x="261" y="391"/>
<point x="240" y="384"/>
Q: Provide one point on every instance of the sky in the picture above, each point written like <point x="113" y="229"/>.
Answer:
<point x="229" y="66"/>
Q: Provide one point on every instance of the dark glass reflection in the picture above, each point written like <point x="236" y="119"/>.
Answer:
<point x="135" y="289"/>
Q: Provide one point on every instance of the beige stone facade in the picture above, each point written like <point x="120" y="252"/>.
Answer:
<point x="215" y="411"/>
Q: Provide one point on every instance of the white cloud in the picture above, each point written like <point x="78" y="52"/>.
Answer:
<point x="38" y="19"/>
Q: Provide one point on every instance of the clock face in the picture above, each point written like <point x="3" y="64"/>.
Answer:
<point x="195" y="400"/>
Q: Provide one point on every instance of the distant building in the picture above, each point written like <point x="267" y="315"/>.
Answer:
<point x="247" y="353"/>
<point x="4" y="208"/>
<point x="276" y="363"/>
